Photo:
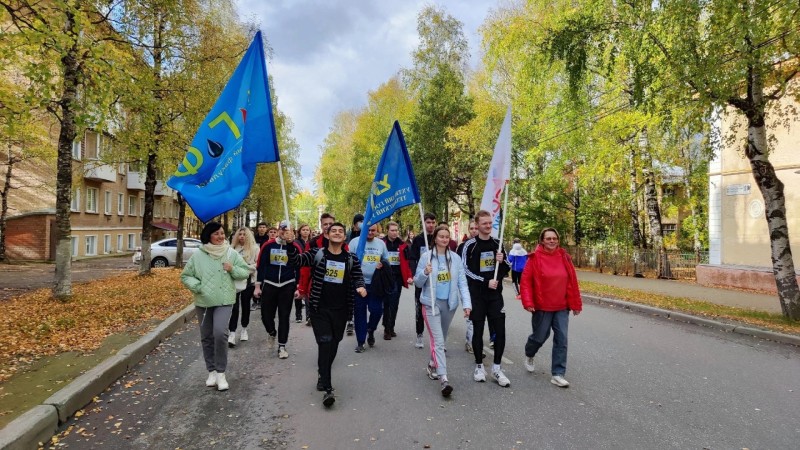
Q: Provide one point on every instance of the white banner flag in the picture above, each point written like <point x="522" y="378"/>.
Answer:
<point x="499" y="174"/>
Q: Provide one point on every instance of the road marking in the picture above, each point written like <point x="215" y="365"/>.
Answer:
<point x="488" y="351"/>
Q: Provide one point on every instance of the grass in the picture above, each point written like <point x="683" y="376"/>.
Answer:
<point x="774" y="322"/>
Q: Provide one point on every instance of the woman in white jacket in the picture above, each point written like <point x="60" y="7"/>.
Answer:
<point x="448" y="286"/>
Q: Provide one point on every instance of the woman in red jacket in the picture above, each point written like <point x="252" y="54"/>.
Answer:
<point x="549" y="290"/>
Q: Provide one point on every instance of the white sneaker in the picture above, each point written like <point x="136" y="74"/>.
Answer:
<point x="468" y="347"/>
<point x="232" y="339"/>
<point x="243" y="336"/>
<point x="211" y="381"/>
<point x="282" y="353"/>
<point x="222" y="383"/>
<point x="479" y="375"/>
<point x="501" y="378"/>
<point x="419" y="343"/>
<point x="529" y="364"/>
<point x="559" y="381"/>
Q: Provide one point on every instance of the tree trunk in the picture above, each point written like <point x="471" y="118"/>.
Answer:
<point x="774" y="200"/>
<point x="181" y="217"/>
<point x="576" y="200"/>
<point x="71" y="71"/>
<point x="152" y="155"/>
<point x="654" y="218"/>
<point x="4" y="204"/>
<point x="633" y="208"/>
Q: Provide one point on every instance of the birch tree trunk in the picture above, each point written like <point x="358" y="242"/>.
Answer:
<point x="772" y="191"/>
<point x="181" y="218"/>
<point x="71" y="78"/>
<point x="4" y="202"/>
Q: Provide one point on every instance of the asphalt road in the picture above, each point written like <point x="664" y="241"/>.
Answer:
<point x="637" y="382"/>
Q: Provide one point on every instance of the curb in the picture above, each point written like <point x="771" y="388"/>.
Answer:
<point x="41" y="422"/>
<point x="695" y="320"/>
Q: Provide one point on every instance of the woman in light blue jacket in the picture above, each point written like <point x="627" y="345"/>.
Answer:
<point x="448" y="286"/>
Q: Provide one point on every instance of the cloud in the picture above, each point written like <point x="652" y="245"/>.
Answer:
<point x="329" y="54"/>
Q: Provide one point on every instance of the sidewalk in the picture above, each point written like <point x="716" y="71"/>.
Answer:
<point x="727" y="297"/>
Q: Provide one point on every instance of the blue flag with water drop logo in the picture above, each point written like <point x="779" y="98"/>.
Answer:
<point x="218" y="170"/>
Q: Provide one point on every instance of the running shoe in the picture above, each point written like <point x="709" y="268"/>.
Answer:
<point x="222" y="383"/>
<point x="371" y="338"/>
<point x="529" y="364"/>
<point x="446" y="389"/>
<point x="320" y="387"/>
<point x="350" y="327"/>
<point x="244" y="336"/>
<point x="211" y="381"/>
<point x="282" y="353"/>
<point x="468" y="347"/>
<point x="501" y="378"/>
<point x="360" y="349"/>
<point x="232" y="339"/>
<point x="431" y="371"/>
<point x="419" y="343"/>
<point x="392" y="333"/>
<point x="559" y="381"/>
<point x="328" y="399"/>
<point x="479" y="375"/>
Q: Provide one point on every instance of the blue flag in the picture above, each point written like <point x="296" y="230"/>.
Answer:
<point x="394" y="186"/>
<point x="218" y="170"/>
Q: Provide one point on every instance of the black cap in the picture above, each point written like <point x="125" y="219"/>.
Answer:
<point x="358" y="218"/>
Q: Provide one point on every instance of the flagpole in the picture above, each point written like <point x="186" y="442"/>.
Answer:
<point x="502" y="225"/>
<point x="283" y="191"/>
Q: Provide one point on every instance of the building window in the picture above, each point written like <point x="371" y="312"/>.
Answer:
<point x="91" y="200"/>
<point x="75" y="205"/>
<point x="91" y="246"/>
<point x="107" y="244"/>
<point x="119" y="243"/>
<point x="107" y="208"/>
<point x="76" y="150"/>
<point x="156" y="209"/>
<point x="120" y="204"/>
<point x="74" y="242"/>
<point x="92" y="142"/>
<point x="131" y="241"/>
<point x="669" y="228"/>
<point x="131" y="205"/>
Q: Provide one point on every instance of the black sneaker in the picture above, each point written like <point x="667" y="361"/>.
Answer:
<point x="360" y="349"/>
<point x="350" y="328"/>
<point x="328" y="399"/>
<point x="371" y="338"/>
<point x="320" y="387"/>
<point x="446" y="389"/>
<point x="308" y="321"/>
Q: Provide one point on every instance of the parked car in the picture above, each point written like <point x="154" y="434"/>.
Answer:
<point x="163" y="252"/>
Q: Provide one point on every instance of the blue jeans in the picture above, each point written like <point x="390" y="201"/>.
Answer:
<point x="542" y="322"/>
<point x="375" y="306"/>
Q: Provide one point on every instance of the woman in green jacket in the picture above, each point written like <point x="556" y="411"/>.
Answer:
<point x="209" y="274"/>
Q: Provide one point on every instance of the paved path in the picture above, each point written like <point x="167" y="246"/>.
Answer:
<point x="729" y="297"/>
<point x="637" y="382"/>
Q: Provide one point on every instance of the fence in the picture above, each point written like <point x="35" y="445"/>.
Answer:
<point x="630" y="262"/>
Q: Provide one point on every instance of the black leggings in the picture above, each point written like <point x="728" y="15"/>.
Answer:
<point x="418" y="309"/>
<point x="328" y="328"/>
<point x="277" y="299"/>
<point x="243" y="302"/>
<point x="487" y="305"/>
<point x="515" y="276"/>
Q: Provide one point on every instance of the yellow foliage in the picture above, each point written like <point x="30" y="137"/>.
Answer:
<point x="35" y="324"/>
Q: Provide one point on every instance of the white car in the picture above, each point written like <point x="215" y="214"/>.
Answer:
<point x="163" y="252"/>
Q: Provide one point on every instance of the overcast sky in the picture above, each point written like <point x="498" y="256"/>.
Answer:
<point x="328" y="54"/>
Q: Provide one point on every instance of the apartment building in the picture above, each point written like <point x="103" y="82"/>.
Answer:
<point x="107" y="206"/>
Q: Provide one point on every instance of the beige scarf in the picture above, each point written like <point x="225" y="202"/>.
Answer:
<point x="217" y="251"/>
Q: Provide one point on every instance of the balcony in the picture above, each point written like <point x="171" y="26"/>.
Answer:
<point x="99" y="171"/>
<point x="136" y="183"/>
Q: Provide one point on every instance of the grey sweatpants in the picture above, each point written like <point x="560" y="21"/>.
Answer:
<point x="214" y="335"/>
<point x="438" y="326"/>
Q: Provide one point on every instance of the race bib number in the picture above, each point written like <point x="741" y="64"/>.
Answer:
<point x="334" y="272"/>
<point x="372" y="259"/>
<point x="487" y="261"/>
<point x="278" y="257"/>
<point x="443" y="276"/>
<point x="394" y="258"/>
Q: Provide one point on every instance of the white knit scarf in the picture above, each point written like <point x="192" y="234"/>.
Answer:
<point x="217" y="251"/>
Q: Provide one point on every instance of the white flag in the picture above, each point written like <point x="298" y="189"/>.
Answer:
<point x="499" y="174"/>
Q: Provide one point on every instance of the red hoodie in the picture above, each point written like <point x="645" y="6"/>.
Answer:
<point x="549" y="281"/>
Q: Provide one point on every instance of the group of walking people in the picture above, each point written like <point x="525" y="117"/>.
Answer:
<point x="324" y="276"/>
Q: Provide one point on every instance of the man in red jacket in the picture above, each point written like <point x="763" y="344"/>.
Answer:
<point x="549" y="290"/>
